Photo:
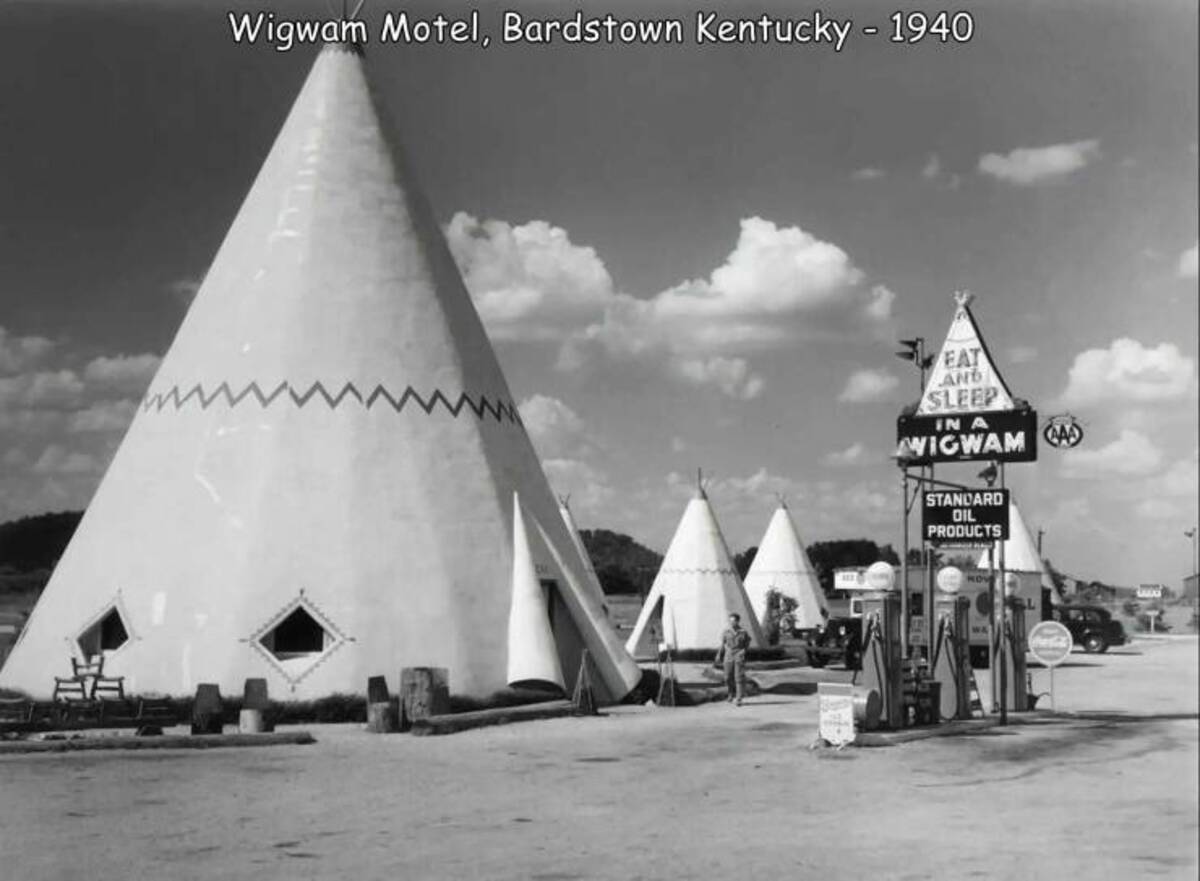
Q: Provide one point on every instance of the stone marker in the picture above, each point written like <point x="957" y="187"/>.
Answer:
<point x="377" y="690"/>
<point x="254" y="695"/>
<point x="206" y="710"/>
<point x="255" y="717"/>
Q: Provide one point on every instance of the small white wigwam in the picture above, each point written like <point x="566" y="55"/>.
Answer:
<point x="1020" y="550"/>
<point x="328" y="478"/>
<point x="781" y="564"/>
<point x="695" y="591"/>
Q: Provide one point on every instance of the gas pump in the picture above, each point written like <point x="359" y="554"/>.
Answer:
<point x="952" y="651"/>
<point x="881" y="655"/>
<point x="1017" y="694"/>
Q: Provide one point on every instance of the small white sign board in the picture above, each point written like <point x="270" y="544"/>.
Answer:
<point x="1149" y="592"/>
<point x="835" y="702"/>
<point x="850" y="579"/>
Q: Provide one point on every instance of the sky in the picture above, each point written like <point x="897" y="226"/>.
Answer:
<point x="686" y="256"/>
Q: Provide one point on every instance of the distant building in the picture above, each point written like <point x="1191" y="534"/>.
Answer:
<point x="1190" y="587"/>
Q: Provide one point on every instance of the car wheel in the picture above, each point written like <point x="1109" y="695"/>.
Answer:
<point x="817" y="661"/>
<point x="1094" y="643"/>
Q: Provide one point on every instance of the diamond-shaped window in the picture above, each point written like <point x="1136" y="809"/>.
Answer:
<point x="297" y="639"/>
<point x="106" y="634"/>
<point x="299" y="635"/>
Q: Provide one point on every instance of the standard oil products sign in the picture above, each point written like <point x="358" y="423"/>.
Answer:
<point x="969" y="517"/>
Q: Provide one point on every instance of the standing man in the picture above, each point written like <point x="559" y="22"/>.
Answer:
<point x="734" y="642"/>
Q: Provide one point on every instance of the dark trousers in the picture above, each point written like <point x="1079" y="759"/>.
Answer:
<point x="735" y="677"/>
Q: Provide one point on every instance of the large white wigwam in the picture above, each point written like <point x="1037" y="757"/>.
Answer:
<point x="1020" y="550"/>
<point x="696" y="589"/>
<point x="564" y="508"/>
<point x="321" y="482"/>
<point x="781" y="564"/>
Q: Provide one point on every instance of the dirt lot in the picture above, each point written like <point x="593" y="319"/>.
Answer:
<point x="710" y="791"/>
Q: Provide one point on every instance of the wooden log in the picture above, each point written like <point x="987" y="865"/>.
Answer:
<point x="206" y="710"/>
<point x="381" y="717"/>
<point x="449" y="724"/>
<point x="424" y="692"/>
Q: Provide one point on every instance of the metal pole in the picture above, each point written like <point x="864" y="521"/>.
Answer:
<point x="1003" y="630"/>
<point x="904" y="563"/>
<point x="992" y="623"/>
<point x="927" y="604"/>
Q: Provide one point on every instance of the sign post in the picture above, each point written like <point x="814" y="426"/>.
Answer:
<point x="1050" y="642"/>
<point x="835" y="705"/>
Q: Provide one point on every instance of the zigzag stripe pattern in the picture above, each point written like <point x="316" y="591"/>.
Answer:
<point x="481" y="406"/>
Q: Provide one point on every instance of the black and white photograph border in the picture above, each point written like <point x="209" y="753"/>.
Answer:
<point x="599" y="440"/>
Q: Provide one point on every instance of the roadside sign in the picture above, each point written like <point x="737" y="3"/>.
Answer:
<point x="849" y="579"/>
<point x="1050" y="642"/>
<point x="835" y="705"/>
<point x="1007" y="436"/>
<point x="964" y="379"/>
<point x="965" y="517"/>
<point x="1149" y="592"/>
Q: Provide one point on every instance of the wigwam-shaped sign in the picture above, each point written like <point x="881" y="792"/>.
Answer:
<point x="966" y="412"/>
<point x="964" y="379"/>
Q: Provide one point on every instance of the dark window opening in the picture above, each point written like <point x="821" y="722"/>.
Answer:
<point x="106" y="635"/>
<point x="297" y="635"/>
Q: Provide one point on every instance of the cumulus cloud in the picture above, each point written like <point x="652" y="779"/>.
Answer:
<point x="122" y="374"/>
<point x="44" y="389"/>
<point x="869" y="173"/>
<point x="1132" y="454"/>
<point x="933" y="167"/>
<point x="53" y="395"/>
<point x="58" y="460"/>
<point x="1187" y="264"/>
<point x="854" y="455"/>
<point x="1181" y="479"/>
<point x="556" y="430"/>
<point x="868" y="385"/>
<point x="730" y="375"/>
<point x="1127" y="371"/>
<point x="587" y="485"/>
<point x="529" y="281"/>
<point x="19" y="353"/>
<point x="1026" y="166"/>
<point x="103" y="416"/>
<point x="778" y="285"/>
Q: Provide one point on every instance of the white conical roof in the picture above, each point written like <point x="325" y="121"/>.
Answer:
<point x="782" y="564"/>
<point x="593" y="580"/>
<point x="318" y="487"/>
<point x="532" y="651"/>
<point x="1020" y="550"/>
<point x="696" y="589"/>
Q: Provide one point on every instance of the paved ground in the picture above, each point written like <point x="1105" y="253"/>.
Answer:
<point x="706" y="792"/>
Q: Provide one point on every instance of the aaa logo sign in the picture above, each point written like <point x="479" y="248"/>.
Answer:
<point x="1063" y="431"/>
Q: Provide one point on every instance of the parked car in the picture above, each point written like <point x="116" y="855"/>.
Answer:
<point x="1091" y="627"/>
<point x="839" y="640"/>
